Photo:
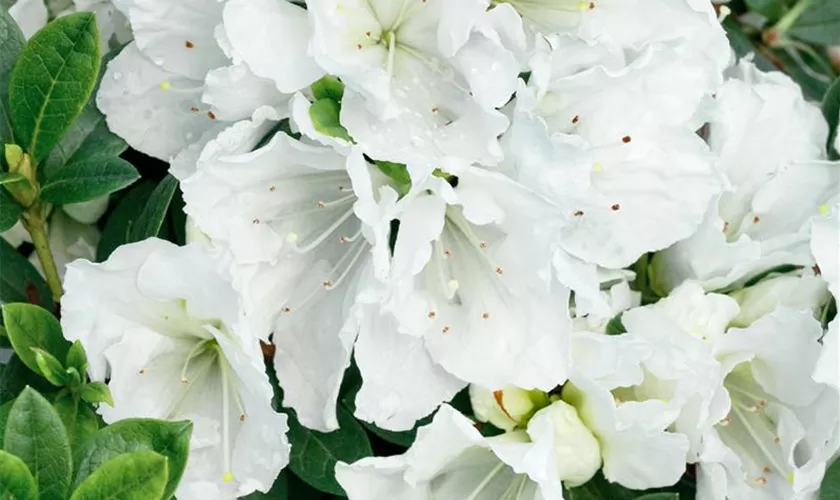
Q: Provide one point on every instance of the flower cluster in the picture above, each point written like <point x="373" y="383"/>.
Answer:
<point x="620" y="240"/>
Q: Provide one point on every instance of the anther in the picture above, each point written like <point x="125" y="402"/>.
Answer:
<point x="188" y="44"/>
<point x="482" y="244"/>
<point x="579" y="213"/>
<point x="321" y="204"/>
<point x="194" y="109"/>
<point x="500" y="271"/>
<point x="485" y="315"/>
<point x="359" y="46"/>
<point x="435" y="109"/>
<point x="777" y="440"/>
<point x="726" y="421"/>
<point x="272" y="188"/>
<point x="211" y="115"/>
<point x="761" y="481"/>
<point x="445" y="329"/>
<point x="767" y="470"/>
<point x="447" y="253"/>
<point x="756" y="219"/>
<point x="141" y="371"/>
<point x="615" y="207"/>
<point x="626" y="139"/>
<point x="256" y="220"/>
<point x="242" y="417"/>
<point x="328" y="284"/>
<point x="575" y="119"/>
<point x="431" y="315"/>
<point x="286" y="310"/>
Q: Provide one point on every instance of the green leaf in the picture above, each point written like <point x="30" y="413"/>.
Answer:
<point x="598" y="488"/>
<point x="328" y="87"/>
<point x="314" y="454"/>
<point x="151" y="218"/>
<point x="79" y="419"/>
<point x="86" y="180"/>
<point x="660" y="496"/>
<point x="15" y="377"/>
<point x="35" y="433"/>
<point x="140" y="475"/>
<point x="11" y="42"/>
<point x="76" y="357"/>
<point x="350" y="387"/>
<point x="170" y="439"/>
<point x="831" y="111"/>
<point x="615" y="326"/>
<point x="743" y="44"/>
<point x="9" y="211"/>
<point x="324" y="114"/>
<point x="11" y="177"/>
<point x="122" y="218"/>
<point x="5" y="409"/>
<point x="49" y="367"/>
<point x="97" y="392"/>
<point x="53" y="80"/>
<point x="830" y="487"/>
<point x="771" y="9"/>
<point x="31" y="326"/>
<point x="20" y="281"/>
<point x="87" y="138"/>
<point x="820" y="23"/>
<point x="16" y="482"/>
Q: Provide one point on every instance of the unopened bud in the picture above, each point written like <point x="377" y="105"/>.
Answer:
<point x="507" y="408"/>
<point x="576" y="450"/>
<point x="22" y="188"/>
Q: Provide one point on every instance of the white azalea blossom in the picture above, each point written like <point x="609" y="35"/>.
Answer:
<point x="772" y="148"/>
<point x="163" y="326"/>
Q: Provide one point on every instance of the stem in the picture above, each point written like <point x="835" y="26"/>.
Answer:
<point x="789" y="19"/>
<point x="34" y="221"/>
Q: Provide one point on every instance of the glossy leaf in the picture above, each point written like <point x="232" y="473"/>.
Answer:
<point x="11" y="43"/>
<point x="31" y="326"/>
<point x="87" y="180"/>
<point x="151" y="218"/>
<point x="16" y="482"/>
<point x="140" y="475"/>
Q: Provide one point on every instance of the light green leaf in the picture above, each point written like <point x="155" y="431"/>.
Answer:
<point x="87" y="180"/>
<point x="820" y="23"/>
<point x="97" y="392"/>
<point x="11" y="42"/>
<point x="170" y="439"/>
<point x="11" y="177"/>
<point x="52" y="81"/>
<point x="35" y="434"/>
<point x="151" y="218"/>
<point x="831" y="111"/>
<point x="31" y="326"/>
<point x="16" y="482"/>
<point x="78" y="418"/>
<point x="325" y="118"/>
<point x="328" y="87"/>
<point x="76" y="357"/>
<point x="314" y="454"/>
<point x="830" y="487"/>
<point x="131" y="476"/>
<point x="9" y="211"/>
<point x="49" y="367"/>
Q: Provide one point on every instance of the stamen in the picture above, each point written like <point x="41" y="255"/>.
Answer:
<point x="324" y="235"/>
<point x="188" y="44"/>
<point x="194" y="352"/>
<point x="226" y="458"/>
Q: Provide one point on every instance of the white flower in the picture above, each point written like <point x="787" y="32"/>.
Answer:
<point x="450" y="459"/>
<point x="825" y="240"/>
<point x="772" y="148"/>
<point x="470" y="275"/>
<point x="187" y="71"/>
<point x="423" y="74"/>
<point x="30" y="15"/>
<point x="782" y="427"/>
<point x="163" y="326"/>
<point x="114" y="30"/>
<point x="69" y="240"/>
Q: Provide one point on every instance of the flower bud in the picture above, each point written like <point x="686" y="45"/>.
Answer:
<point x="21" y="179"/>
<point x="798" y="292"/>
<point x="507" y="408"/>
<point x="576" y="450"/>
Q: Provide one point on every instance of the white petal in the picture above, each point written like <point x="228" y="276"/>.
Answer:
<point x="149" y="107"/>
<point x="825" y="239"/>
<point x="87" y="212"/>
<point x="234" y="93"/>
<point x="256" y="28"/>
<point x="827" y="370"/>
<point x="178" y="36"/>
<point x="391" y="364"/>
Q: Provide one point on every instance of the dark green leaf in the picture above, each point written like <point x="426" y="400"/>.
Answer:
<point x="743" y="45"/>
<point x="830" y="487"/>
<point x="78" y="418"/>
<point x="20" y="281"/>
<point x="324" y="114"/>
<point x="771" y="9"/>
<point x="88" y="138"/>
<point x="598" y="488"/>
<point x="16" y="482"/>
<point x="140" y="475"/>
<point x="615" y="326"/>
<point x="31" y="326"/>
<point x="122" y="219"/>
<point x="97" y="392"/>
<point x="16" y="376"/>
<point x="170" y="439"/>
<point x="314" y="454"/>
<point x="151" y="218"/>
<point x="35" y="434"/>
<point x="10" y="177"/>
<point x="9" y="210"/>
<point x="5" y="409"/>
<point x="11" y="42"/>
<point x="86" y="180"/>
<point x="831" y="111"/>
<point x="350" y="387"/>
<point x="328" y="87"/>
<point x="52" y="81"/>
<point x="660" y="496"/>
<point x="781" y="269"/>
<point x="50" y="367"/>
<point x="820" y="23"/>
<point x="278" y="491"/>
